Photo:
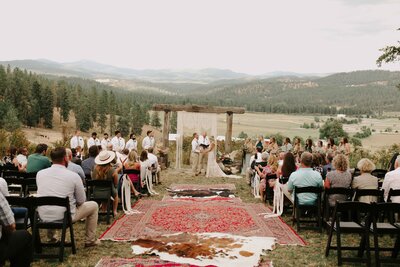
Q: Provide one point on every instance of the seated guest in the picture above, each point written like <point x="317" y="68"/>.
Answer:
<point x="75" y="158"/>
<point x="303" y="177"/>
<point x="266" y="171"/>
<point x="365" y="180"/>
<point x="317" y="164"/>
<point x="392" y="181"/>
<point x="103" y="170"/>
<point x="74" y="167"/>
<point x="288" y="166"/>
<point x="154" y="163"/>
<point x="15" y="245"/>
<point x="133" y="164"/>
<point x="88" y="164"/>
<point x="328" y="165"/>
<point x="340" y="177"/>
<point x="58" y="181"/>
<point x="38" y="161"/>
<point x="22" y="159"/>
<point x="19" y="212"/>
<point x="287" y="146"/>
<point x="256" y="158"/>
<point x="122" y="156"/>
<point x="10" y="161"/>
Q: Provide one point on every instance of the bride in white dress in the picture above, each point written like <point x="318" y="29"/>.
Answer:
<point x="213" y="169"/>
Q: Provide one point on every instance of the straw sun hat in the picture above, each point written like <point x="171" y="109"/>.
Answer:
<point x="104" y="157"/>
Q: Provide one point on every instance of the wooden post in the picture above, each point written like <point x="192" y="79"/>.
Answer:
<point x="165" y="133"/>
<point x="228" y="135"/>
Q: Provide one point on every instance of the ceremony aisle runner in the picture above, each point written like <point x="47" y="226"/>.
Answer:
<point x="222" y="215"/>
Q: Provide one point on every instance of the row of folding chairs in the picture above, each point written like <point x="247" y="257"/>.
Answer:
<point x="33" y="221"/>
<point x="313" y="216"/>
<point x="20" y="183"/>
<point x="364" y="220"/>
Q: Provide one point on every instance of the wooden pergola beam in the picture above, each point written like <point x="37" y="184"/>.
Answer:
<point x="198" y="108"/>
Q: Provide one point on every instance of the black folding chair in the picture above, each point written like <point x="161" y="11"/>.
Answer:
<point x="101" y="192"/>
<point x="350" y="218"/>
<point x="16" y="186"/>
<point x="379" y="173"/>
<point x="313" y="211"/>
<point x="269" y="191"/>
<point x="387" y="227"/>
<point x="21" y="202"/>
<point x="393" y="193"/>
<point x="356" y="173"/>
<point x="63" y="225"/>
<point x="136" y="184"/>
<point x="346" y="192"/>
<point x="369" y="192"/>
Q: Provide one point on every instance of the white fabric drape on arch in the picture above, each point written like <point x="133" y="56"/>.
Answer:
<point x="191" y="122"/>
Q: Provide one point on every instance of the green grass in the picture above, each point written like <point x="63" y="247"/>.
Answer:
<point x="313" y="254"/>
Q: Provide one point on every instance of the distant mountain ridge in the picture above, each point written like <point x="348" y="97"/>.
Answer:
<point x="94" y="70"/>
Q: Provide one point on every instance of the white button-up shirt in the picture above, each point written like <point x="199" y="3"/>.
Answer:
<point x="195" y="145"/>
<point x="153" y="159"/>
<point x="58" y="181"/>
<point x="105" y="143"/>
<point x="131" y="145"/>
<point x="77" y="141"/>
<point x="148" y="142"/>
<point x="392" y="180"/>
<point x="118" y="143"/>
<point x="204" y="140"/>
<point x="93" y="142"/>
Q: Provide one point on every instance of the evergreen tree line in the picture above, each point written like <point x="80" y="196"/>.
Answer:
<point x="30" y="99"/>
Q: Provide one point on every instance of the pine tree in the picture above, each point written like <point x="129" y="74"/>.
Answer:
<point x="155" y="120"/>
<point x="123" y="125"/>
<point x="65" y="106"/>
<point x="11" y="121"/>
<point x="103" y="107"/>
<point x="47" y="107"/>
<point x="173" y="122"/>
<point x="93" y="104"/>
<point x="112" y="111"/>
<point x="3" y="80"/>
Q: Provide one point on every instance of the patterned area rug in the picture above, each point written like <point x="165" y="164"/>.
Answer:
<point x="220" y="215"/>
<point x="176" y="187"/>
<point x="150" y="262"/>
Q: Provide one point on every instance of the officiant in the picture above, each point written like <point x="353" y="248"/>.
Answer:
<point x="204" y="143"/>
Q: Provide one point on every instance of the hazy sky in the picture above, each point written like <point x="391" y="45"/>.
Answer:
<point x="245" y="36"/>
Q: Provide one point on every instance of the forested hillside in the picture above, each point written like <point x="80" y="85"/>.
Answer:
<point x="29" y="99"/>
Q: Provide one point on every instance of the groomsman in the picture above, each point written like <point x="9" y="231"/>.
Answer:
<point x="132" y="143"/>
<point x="118" y="142"/>
<point x="204" y="143"/>
<point x="77" y="140"/>
<point x="194" y="155"/>
<point x="93" y="141"/>
<point x="148" y="141"/>
<point x="105" y="142"/>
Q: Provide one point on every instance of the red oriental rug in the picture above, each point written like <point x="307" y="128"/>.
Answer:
<point x="220" y="215"/>
<point x="150" y="262"/>
<point x="176" y="187"/>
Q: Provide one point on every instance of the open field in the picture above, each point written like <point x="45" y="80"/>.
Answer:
<point x="255" y="124"/>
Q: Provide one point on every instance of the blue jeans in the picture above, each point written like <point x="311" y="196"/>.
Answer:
<point x="19" y="212"/>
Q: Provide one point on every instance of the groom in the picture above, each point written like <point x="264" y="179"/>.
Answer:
<point x="204" y="143"/>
